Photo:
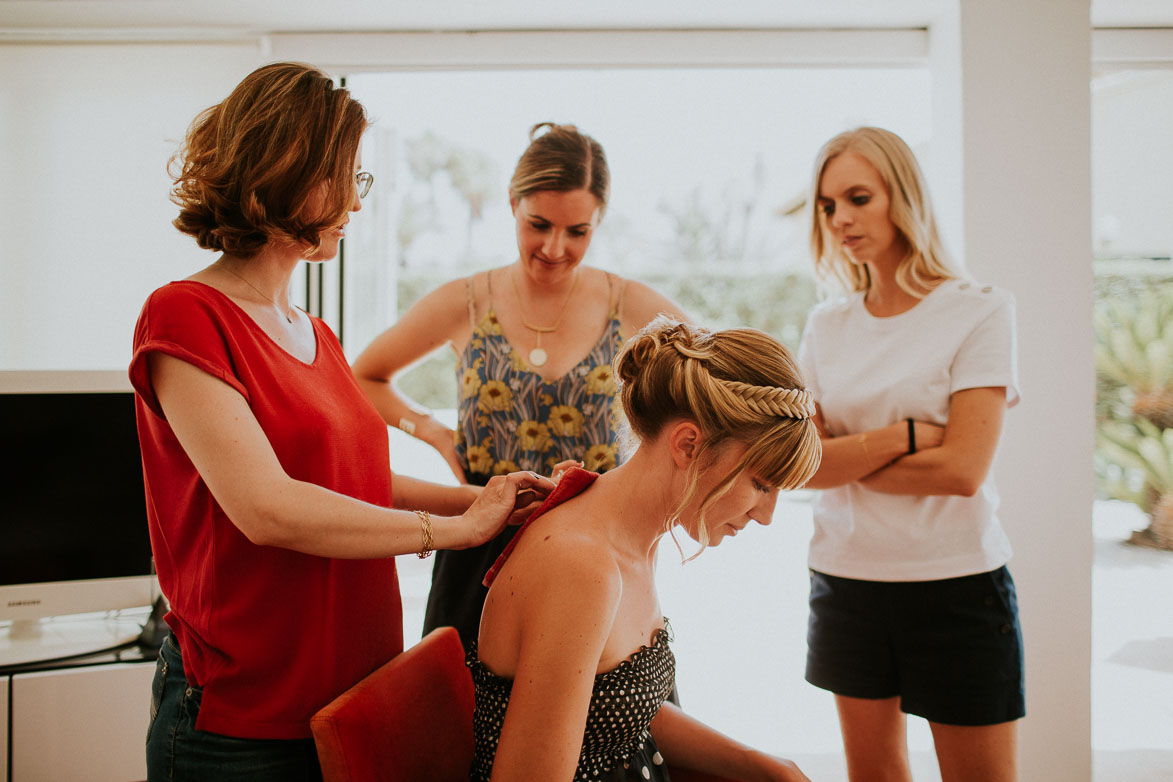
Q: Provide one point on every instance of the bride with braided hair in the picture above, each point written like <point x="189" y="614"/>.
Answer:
<point x="572" y="665"/>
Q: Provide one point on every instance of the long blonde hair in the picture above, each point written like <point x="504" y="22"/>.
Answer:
<point x="738" y="385"/>
<point x="927" y="264"/>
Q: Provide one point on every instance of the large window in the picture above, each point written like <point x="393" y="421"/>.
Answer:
<point x="710" y="169"/>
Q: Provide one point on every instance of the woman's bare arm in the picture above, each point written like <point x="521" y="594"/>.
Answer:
<point x="416" y="494"/>
<point x="960" y="465"/>
<point x="851" y="457"/>
<point x="688" y="743"/>
<point x="228" y="447"/>
<point x="568" y="598"/>
<point x="439" y="318"/>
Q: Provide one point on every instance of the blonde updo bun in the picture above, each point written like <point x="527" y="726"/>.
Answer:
<point x="738" y="385"/>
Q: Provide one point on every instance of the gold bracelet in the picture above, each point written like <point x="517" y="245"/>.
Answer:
<point x="426" y="529"/>
<point x="867" y="456"/>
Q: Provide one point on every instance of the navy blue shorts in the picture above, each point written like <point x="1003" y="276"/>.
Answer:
<point x="951" y="650"/>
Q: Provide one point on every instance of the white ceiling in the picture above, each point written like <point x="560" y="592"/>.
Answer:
<point x="274" y="16"/>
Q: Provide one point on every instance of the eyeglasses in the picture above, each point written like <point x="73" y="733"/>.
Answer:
<point x="363" y="181"/>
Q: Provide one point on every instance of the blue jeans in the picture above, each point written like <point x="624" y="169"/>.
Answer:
<point x="177" y="752"/>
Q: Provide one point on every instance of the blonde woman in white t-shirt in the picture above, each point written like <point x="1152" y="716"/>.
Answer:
<point x="912" y="608"/>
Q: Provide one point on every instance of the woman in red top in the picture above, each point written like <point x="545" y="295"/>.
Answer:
<point x="269" y="489"/>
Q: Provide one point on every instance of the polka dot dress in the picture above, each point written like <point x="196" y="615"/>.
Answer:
<point x="616" y="745"/>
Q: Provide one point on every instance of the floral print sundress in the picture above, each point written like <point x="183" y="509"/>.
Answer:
<point x="511" y="418"/>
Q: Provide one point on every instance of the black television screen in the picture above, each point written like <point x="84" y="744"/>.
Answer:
<point x="73" y="505"/>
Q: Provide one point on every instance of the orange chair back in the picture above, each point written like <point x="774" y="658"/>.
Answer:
<point x="408" y="721"/>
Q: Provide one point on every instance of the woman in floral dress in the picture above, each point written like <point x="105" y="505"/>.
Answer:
<point x="535" y="340"/>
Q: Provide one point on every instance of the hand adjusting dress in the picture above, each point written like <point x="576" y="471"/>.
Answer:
<point x="617" y="745"/>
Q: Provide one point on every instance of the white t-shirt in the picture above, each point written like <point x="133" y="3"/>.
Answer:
<point x="866" y="373"/>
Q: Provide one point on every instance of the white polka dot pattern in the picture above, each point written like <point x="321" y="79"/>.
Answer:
<point x="616" y="743"/>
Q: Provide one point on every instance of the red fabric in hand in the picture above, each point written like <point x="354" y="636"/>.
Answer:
<point x="572" y="483"/>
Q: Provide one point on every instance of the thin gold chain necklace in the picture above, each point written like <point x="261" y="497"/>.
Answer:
<point x="288" y="316"/>
<point x="538" y="356"/>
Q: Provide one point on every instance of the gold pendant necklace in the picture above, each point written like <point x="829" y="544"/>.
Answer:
<point x="288" y="317"/>
<point x="538" y="356"/>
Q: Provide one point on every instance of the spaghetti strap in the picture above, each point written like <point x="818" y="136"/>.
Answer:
<point x="622" y="285"/>
<point x="470" y="292"/>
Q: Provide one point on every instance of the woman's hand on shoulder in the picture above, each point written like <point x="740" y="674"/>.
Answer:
<point x="505" y="499"/>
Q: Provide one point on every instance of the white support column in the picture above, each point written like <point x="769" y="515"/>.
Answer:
<point x="1012" y="148"/>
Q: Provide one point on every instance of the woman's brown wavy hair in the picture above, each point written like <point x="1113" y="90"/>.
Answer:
<point x="249" y="166"/>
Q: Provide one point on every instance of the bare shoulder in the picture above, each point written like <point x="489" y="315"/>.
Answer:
<point x="555" y="600"/>
<point x="448" y="301"/>
<point x="556" y="553"/>
<point x="642" y="303"/>
<point x="562" y="573"/>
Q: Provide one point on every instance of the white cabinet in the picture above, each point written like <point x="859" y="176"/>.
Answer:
<point x="83" y="723"/>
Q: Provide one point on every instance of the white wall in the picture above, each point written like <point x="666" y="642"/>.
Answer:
<point x="1014" y="80"/>
<point x="85" y="134"/>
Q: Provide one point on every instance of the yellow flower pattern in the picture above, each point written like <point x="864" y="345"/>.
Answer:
<point x="504" y="466"/>
<point x="599" y="458"/>
<point x="534" y="436"/>
<point x="511" y="418"/>
<point x="479" y="459"/>
<point x="601" y="380"/>
<point x="494" y="395"/>
<point x="470" y="383"/>
<point x="565" y="421"/>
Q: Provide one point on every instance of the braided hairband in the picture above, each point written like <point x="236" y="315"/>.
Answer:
<point x="773" y="400"/>
<point x="768" y="400"/>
